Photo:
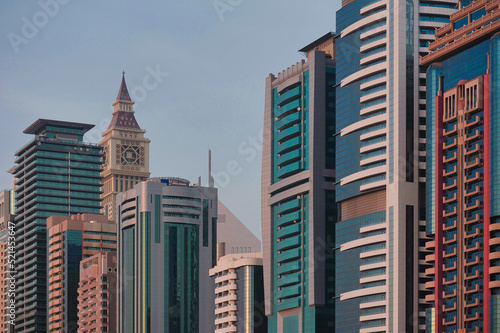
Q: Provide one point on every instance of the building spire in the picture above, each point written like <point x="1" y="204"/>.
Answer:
<point x="123" y="92"/>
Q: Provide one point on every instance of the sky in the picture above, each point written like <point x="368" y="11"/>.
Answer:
<point x="196" y="70"/>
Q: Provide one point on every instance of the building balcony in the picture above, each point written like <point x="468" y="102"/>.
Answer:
<point x="430" y="285"/>
<point x="450" y="184"/>
<point x="454" y="280"/>
<point x="473" y="233"/>
<point x="430" y="258"/>
<point x="472" y="148"/>
<point x="473" y="219"/>
<point x="450" y="225"/>
<point x="430" y="271"/>
<point x="451" y="321"/>
<point x="452" y="308"/>
<point x="450" y="268"/>
<point x="473" y="163"/>
<point x="450" y="213"/>
<point x="450" y="199"/>
<point x="450" y="144"/>
<point x="472" y="304"/>
<point x="429" y="298"/>
<point x="473" y="135"/>
<point x="451" y="254"/>
<point x="473" y="190"/>
<point x="472" y="290"/>
<point x="473" y="177"/>
<point x="430" y="245"/>
<point x="473" y="317"/>
<point x="472" y="247"/>
<point x="473" y="205"/>
<point x="474" y="120"/>
<point x="450" y="239"/>
<point x="450" y="129"/>
<point x="473" y="275"/>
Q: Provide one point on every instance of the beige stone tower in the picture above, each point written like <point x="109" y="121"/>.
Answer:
<point x="126" y="152"/>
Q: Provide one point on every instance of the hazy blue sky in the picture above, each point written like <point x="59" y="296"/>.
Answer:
<point x="63" y="60"/>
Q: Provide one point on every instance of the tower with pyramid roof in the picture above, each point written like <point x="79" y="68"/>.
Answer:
<point x="126" y="151"/>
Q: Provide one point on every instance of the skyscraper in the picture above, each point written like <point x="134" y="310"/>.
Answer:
<point x="298" y="215"/>
<point x="167" y="236"/>
<point x="463" y="85"/>
<point x="56" y="173"/>
<point x="98" y="293"/>
<point x="380" y="162"/>
<point x="71" y="239"/>
<point x="239" y="294"/>
<point x="126" y="152"/>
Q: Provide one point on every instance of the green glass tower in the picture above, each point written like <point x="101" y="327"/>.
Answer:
<point x="298" y="214"/>
<point x="56" y="173"/>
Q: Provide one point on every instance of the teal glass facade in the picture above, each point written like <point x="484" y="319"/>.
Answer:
<point x="181" y="278"/>
<point x="290" y="132"/>
<point x="56" y="174"/>
<point x="127" y="279"/>
<point x="300" y="120"/>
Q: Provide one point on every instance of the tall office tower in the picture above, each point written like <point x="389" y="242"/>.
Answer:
<point x="126" y="152"/>
<point x="380" y="162"/>
<point x="298" y="215"/>
<point x="463" y="85"/>
<point x="71" y="239"/>
<point x="239" y="294"/>
<point x="6" y="273"/>
<point x="232" y="235"/>
<point x="56" y="174"/>
<point x="98" y="293"/>
<point x="167" y="236"/>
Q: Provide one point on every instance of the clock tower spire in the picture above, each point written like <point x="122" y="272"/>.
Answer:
<point x="126" y="151"/>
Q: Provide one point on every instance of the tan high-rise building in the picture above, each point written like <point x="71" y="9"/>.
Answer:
<point x="97" y="293"/>
<point x="126" y="152"/>
<point x="70" y="240"/>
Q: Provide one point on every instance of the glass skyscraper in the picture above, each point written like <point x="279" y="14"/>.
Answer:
<point x="56" y="173"/>
<point x="167" y="242"/>
<point x="298" y="212"/>
<point x="463" y="84"/>
<point x="380" y="162"/>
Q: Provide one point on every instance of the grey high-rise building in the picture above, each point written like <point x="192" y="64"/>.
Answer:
<point x="167" y="236"/>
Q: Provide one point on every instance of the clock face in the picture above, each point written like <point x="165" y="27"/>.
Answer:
<point x="129" y="155"/>
<point x="105" y="158"/>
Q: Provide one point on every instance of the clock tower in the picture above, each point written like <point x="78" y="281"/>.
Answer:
<point x="126" y="152"/>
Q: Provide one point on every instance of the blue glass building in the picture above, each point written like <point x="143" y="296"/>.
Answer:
<point x="380" y="163"/>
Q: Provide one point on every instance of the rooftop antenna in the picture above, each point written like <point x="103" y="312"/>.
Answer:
<point x="210" y="178"/>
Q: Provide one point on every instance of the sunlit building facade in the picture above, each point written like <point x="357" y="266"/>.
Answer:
<point x="239" y="294"/>
<point x="98" y="293"/>
<point x="463" y="85"/>
<point x="71" y="239"/>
